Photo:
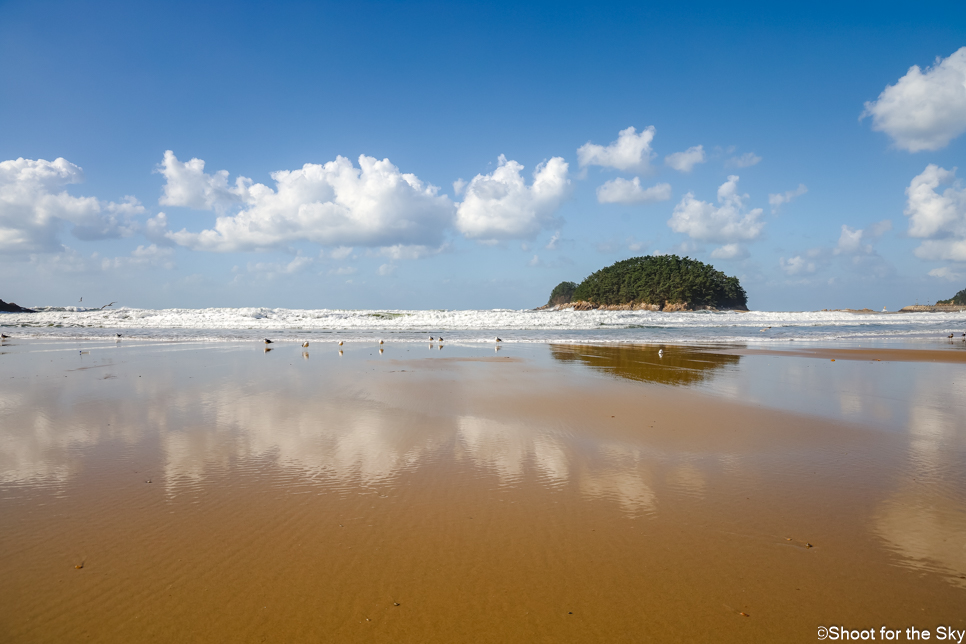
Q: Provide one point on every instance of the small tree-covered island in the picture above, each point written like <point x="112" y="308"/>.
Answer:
<point x="659" y="283"/>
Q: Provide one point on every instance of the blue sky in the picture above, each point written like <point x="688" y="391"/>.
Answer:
<point x="485" y="94"/>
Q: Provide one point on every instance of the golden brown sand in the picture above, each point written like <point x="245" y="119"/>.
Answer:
<point x="539" y="494"/>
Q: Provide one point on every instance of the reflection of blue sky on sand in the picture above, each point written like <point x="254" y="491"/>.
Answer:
<point x="339" y="425"/>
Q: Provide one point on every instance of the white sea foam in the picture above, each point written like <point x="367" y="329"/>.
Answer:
<point x="479" y="325"/>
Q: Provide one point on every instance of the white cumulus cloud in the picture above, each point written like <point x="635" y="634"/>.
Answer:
<point x="857" y="241"/>
<point x="151" y="256"/>
<point x="946" y="273"/>
<point x="923" y="110"/>
<point x="623" y="191"/>
<point x="685" y="161"/>
<point x="746" y="160"/>
<point x="333" y="204"/>
<point x="727" y="223"/>
<point x="797" y="265"/>
<point x="631" y="151"/>
<point x="937" y="217"/>
<point x="273" y="269"/>
<point x="501" y="205"/>
<point x="776" y="200"/>
<point x="34" y="206"/>
<point x="187" y="185"/>
<point x="730" y="251"/>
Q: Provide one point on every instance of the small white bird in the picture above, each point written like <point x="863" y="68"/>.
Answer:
<point x="305" y="344"/>
<point x="660" y="353"/>
<point x="381" y="342"/>
<point x="340" y="343"/>
<point x="117" y="335"/>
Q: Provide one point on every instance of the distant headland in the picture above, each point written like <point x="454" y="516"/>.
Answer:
<point x="657" y="283"/>
<point x="955" y="304"/>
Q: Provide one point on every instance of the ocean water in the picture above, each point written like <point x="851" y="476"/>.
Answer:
<point x="482" y="326"/>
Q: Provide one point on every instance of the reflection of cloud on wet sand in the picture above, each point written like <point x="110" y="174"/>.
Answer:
<point x="924" y="519"/>
<point x="623" y="480"/>
<point x="611" y="471"/>
<point x="40" y="440"/>
<point x="352" y="442"/>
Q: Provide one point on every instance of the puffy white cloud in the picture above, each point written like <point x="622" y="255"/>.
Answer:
<point x="631" y="151"/>
<point x="334" y="204"/>
<point x="386" y="269"/>
<point x="727" y="223"/>
<point x="946" y="273"/>
<point x="400" y="251"/>
<point x="746" y="160"/>
<point x="923" y="110"/>
<point x="855" y="241"/>
<point x="623" y="191"/>
<point x="34" y="206"/>
<point x="685" y="161"/>
<point x="501" y="206"/>
<point x="775" y="201"/>
<point x="298" y="264"/>
<point x="341" y="252"/>
<point x="931" y="213"/>
<point x="937" y="217"/>
<point x="730" y="251"/>
<point x="797" y="265"/>
<point x="187" y="185"/>
<point x="151" y="256"/>
<point x="69" y="260"/>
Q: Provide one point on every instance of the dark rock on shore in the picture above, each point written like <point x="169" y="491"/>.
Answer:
<point x="10" y="307"/>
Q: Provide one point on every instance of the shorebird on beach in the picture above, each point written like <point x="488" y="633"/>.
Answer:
<point x="3" y="336"/>
<point x="267" y="341"/>
<point x="340" y="343"/>
<point x="440" y="338"/>
<point x="950" y="336"/>
<point x="432" y="339"/>
<point x="660" y="353"/>
<point x="381" y="342"/>
<point x="498" y="340"/>
<point x="305" y="344"/>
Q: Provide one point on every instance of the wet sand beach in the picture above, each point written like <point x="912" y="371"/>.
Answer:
<point x="219" y="492"/>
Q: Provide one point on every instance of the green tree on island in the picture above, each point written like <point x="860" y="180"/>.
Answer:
<point x="660" y="280"/>
<point x="562" y="293"/>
